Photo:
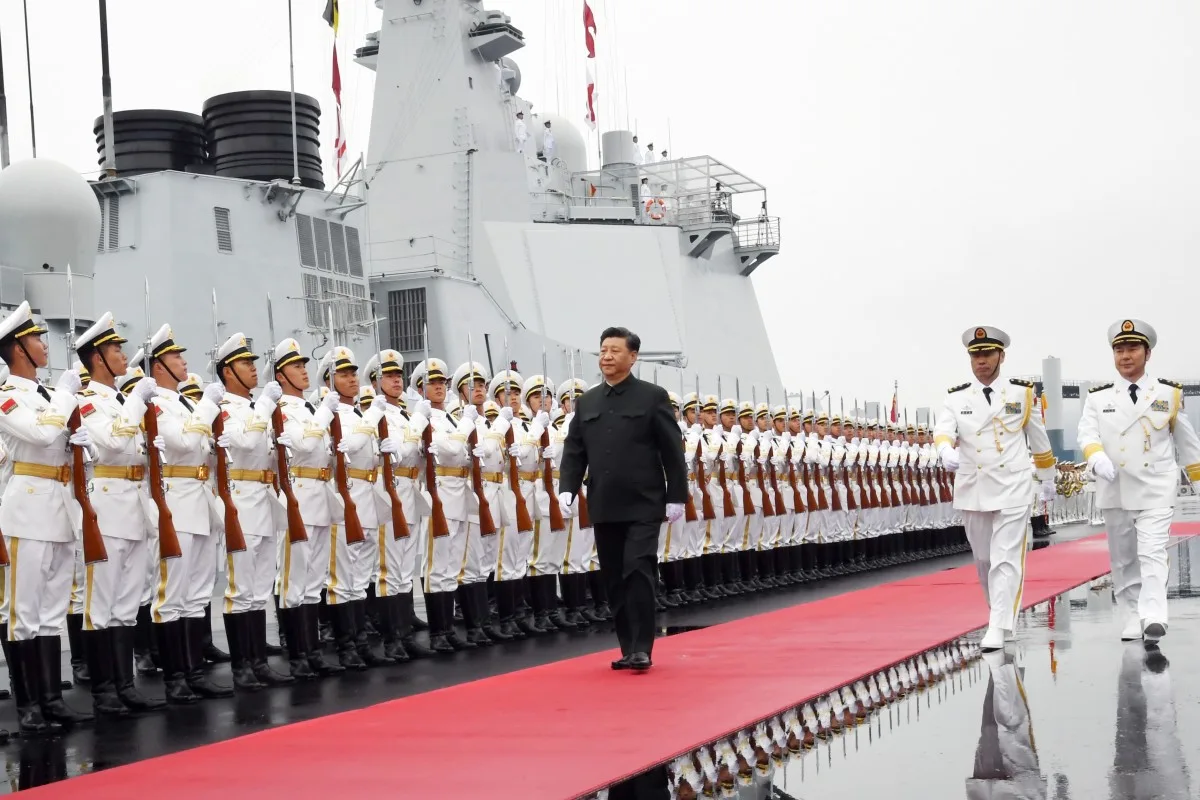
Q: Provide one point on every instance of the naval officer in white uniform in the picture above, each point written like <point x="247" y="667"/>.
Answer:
<point x="996" y="430"/>
<point x="1135" y="442"/>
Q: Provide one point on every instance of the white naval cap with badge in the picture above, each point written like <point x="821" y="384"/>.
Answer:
<point x="984" y="338"/>
<point x="1132" y="331"/>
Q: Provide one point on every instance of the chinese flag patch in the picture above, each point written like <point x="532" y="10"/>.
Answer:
<point x="87" y="409"/>
<point x="8" y="405"/>
<point x="224" y="414"/>
<point x="158" y="411"/>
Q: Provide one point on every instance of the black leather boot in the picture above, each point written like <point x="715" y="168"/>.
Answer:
<point x="281" y="629"/>
<point x="406" y="626"/>
<point x="210" y="652"/>
<point x="80" y="671"/>
<point x="145" y="648"/>
<point x="554" y="612"/>
<point x="493" y="630"/>
<point x="122" y="670"/>
<point x="362" y="641"/>
<point x="256" y="643"/>
<point x="292" y="621"/>
<point x="447" y="609"/>
<point x="471" y="615"/>
<point x="105" y="702"/>
<point x="239" y="662"/>
<point x="506" y="608"/>
<point x="309" y="626"/>
<point x="172" y="654"/>
<point x="440" y="620"/>
<point x="343" y="636"/>
<point x="195" y="631"/>
<point x="389" y="621"/>
<point x="50" y="683"/>
<point x="23" y="670"/>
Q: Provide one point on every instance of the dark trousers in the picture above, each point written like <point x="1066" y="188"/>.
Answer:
<point x="628" y="553"/>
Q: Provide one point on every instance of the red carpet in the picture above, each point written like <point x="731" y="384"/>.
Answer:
<point x="565" y="729"/>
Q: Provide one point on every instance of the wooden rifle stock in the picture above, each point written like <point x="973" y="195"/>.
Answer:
<point x="815" y="489"/>
<point x="487" y="525"/>
<point x="706" y="506"/>
<point x="235" y="538"/>
<point x="726" y="497"/>
<point x="585" y="517"/>
<point x="168" y="539"/>
<point x="399" y="523"/>
<point x="556" y="518"/>
<point x="747" y="498"/>
<point x="354" y="530"/>
<point x="797" y="500"/>
<point x="295" y="523"/>
<point x="437" y="516"/>
<point x="524" y="522"/>
<point x="851" y="502"/>
<point x="93" y="543"/>
<point x="835" y="497"/>
<point x="689" y="508"/>
<point x="768" y="505"/>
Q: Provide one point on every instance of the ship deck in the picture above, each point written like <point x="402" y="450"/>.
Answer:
<point x="1066" y="656"/>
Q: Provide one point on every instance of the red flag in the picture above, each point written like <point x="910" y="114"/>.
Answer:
<point x="339" y="143"/>
<point x="895" y="415"/>
<point x="589" y="40"/>
<point x="589" y="30"/>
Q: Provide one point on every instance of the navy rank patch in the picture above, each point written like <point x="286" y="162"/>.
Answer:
<point x="87" y="409"/>
<point x="1100" y="388"/>
<point x="1160" y="405"/>
<point x="1012" y="408"/>
<point x="1019" y="382"/>
<point x="1170" y="383"/>
<point x="958" y="388"/>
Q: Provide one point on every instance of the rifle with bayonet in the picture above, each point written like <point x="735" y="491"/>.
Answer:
<point x="168" y="538"/>
<point x="689" y="508"/>
<point x="235" y="538"/>
<point x="557" y="523"/>
<point x="487" y="525"/>
<point x="727" y="498"/>
<point x="768" y="507"/>
<point x="797" y="499"/>
<point x="438" y="525"/>
<point x="94" y="551"/>
<point x="283" y="477"/>
<point x="706" y="505"/>
<point x="388" y="468"/>
<point x="524" y="521"/>
<point x="354" y="529"/>
<point x="774" y="479"/>
<point x="851" y="500"/>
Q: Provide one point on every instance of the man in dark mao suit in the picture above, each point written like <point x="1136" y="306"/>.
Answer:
<point x="623" y="434"/>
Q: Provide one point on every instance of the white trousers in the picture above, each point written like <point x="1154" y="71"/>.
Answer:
<point x="692" y="539"/>
<point x="151" y="572"/>
<point x="772" y="526"/>
<point x="79" y="577"/>
<point x="549" y="547"/>
<point x="998" y="542"/>
<point x="669" y="534"/>
<point x="478" y="556"/>
<point x="734" y="531"/>
<point x="185" y="584"/>
<point x="303" y="567"/>
<point x="444" y="556"/>
<point x="580" y="544"/>
<point x="1137" y="549"/>
<point x="38" y="587"/>
<point x="752" y="531"/>
<point x="398" y="560"/>
<point x="112" y="588"/>
<point x="350" y="566"/>
<point x="250" y="575"/>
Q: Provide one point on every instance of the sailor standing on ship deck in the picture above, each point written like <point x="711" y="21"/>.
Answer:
<point x="996" y="429"/>
<point x="1135" y="441"/>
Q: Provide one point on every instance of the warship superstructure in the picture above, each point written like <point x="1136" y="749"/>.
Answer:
<point x="444" y="226"/>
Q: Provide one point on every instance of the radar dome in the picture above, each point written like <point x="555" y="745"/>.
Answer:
<point x="48" y="215"/>
<point x="569" y="145"/>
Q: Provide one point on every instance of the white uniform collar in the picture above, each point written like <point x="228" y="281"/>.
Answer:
<point x="23" y="383"/>
<point x="979" y="387"/>
<point x="107" y="392"/>
<point x="1143" y="383"/>
<point x="235" y="399"/>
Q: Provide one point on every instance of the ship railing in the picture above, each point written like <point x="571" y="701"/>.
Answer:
<point x="418" y="254"/>
<point x="756" y="234"/>
<point x="562" y="207"/>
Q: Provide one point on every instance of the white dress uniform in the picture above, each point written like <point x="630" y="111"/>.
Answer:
<point x="997" y="429"/>
<point x="304" y="566"/>
<point x="39" y="517"/>
<point x="1136" y="449"/>
<point x="113" y="589"/>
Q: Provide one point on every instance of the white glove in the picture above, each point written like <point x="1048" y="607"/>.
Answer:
<point x="145" y="389"/>
<point x="506" y="412"/>
<point x="748" y="456"/>
<point x="542" y="419"/>
<point x="343" y="446"/>
<point x="223" y="441"/>
<point x="949" y="456"/>
<point x="160" y="444"/>
<point x="697" y="429"/>
<point x="380" y="402"/>
<point x="479" y="452"/>
<point x="69" y="382"/>
<point x="284" y="440"/>
<point x="388" y="445"/>
<point x="470" y="413"/>
<point x="272" y="391"/>
<point x="214" y="393"/>
<point x="1102" y="466"/>
<point x="567" y="420"/>
<point x="433" y="450"/>
<point x="81" y="438"/>
<point x="424" y="408"/>
<point x="565" y="501"/>
<point x="786" y="438"/>
<point x="674" y="511"/>
<point x="331" y="401"/>
<point x="514" y="450"/>
<point x="1048" y="491"/>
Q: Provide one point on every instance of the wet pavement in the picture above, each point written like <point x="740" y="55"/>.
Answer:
<point x="111" y="743"/>
<point x="1067" y="712"/>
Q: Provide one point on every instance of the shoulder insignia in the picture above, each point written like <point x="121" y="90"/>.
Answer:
<point x="8" y="387"/>
<point x="958" y="388"/>
<point x="1100" y="388"/>
<point x="1019" y="382"/>
<point x="223" y="402"/>
<point x="87" y="409"/>
<point x="87" y="393"/>
<point x="1170" y="383"/>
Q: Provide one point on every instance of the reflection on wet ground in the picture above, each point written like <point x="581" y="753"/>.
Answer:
<point x="1067" y="712"/>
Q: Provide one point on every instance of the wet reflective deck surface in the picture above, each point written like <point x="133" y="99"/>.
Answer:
<point x="1067" y="712"/>
<point x="923" y="745"/>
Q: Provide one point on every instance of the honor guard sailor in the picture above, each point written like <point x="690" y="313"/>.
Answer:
<point x="304" y="566"/>
<point x="996" y="428"/>
<point x="250" y="573"/>
<point x="185" y="584"/>
<point x="38" y="515"/>
<point x="1136" y="441"/>
<point x="114" y="589"/>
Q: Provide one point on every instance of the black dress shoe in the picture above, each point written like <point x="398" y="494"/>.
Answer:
<point x="639" y="662"/>
<point x="621" y="663"/>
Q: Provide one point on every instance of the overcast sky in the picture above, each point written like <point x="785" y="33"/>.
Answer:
<point x="937" y="164"/>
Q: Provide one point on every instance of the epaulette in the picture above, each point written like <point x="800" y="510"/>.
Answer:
<point x="87" y="393"/>
<point x="1100" y="388"/>
<point x="1019" y="382"/>
<point x="958" y="388"/>
<point x="1170" y="383"/>
<point x="8" y="387"/>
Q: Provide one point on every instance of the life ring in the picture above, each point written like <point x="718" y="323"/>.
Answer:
<point x="656" y="213"/>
